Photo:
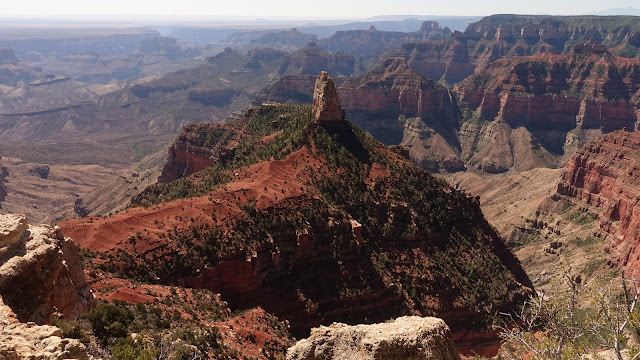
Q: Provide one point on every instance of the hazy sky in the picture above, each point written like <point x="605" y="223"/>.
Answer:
<point x="300" y="8"/>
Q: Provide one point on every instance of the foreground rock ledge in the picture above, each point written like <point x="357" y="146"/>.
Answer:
<point x="40" y="272"/>
<point x="31" y="341"/>
<point x="409" y="337"/>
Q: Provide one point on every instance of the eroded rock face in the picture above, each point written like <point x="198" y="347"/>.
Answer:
<point x="198" y="147"/>
<point x="31" y="341"/>
<point x="326" y="105"/>
<point x="499" y="36"/>
<point x="532" y="106"/>
<point x="40" y="272"/>
<point x="605" y="174"/>
<point x="408" y="337"/>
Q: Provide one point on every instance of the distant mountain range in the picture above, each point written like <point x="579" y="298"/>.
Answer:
<point x="619" y="11"/>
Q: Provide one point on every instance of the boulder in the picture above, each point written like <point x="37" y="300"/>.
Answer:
<point x="408" y="337"/>
<point x="40" y="272"/>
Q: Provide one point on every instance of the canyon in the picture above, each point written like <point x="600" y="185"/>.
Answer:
<point x="263" y="239"/>
<point x="508" y="36"/>
<point x="285" y="217"/>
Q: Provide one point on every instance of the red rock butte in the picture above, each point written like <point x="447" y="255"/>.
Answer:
<point x="326" y="105"/>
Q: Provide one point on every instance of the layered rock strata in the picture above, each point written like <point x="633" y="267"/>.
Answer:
<point x="409" y="337"/>
<point x="504" y="36"/>
<point x="372" y="42"/>
<point x="312" y="59"/>
<point x="530" y="111"/>
<point x="605" y="174"/>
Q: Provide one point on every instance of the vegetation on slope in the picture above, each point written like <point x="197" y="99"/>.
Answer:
<point x="419" y="238"/>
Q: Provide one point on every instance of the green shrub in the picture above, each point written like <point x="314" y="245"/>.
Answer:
<point x="124" y="350"/>
<point x="109" y="321"/>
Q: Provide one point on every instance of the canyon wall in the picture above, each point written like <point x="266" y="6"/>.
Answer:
<point x="530" y="111"/>
<point x="605" y="174"/>
<point x="503" y="36"/>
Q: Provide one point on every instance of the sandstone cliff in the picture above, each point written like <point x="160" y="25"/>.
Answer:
<point x="199" y="146"/>
<point x="524" y="112"/>
<point x="409" y="337"/>
<point x="446" y="60"/>
<point x="398" y="106"/>
<point x="605" y="175"/>
<point x="503" y="36"/>
<point x="40" y="272"/>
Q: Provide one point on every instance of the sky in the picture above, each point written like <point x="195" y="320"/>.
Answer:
<point x="303" y="9"/>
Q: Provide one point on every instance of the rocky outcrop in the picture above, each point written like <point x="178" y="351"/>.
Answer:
<point x="326" y="105"/>
<point x="40" y="170"/>
<point x="197" y="147"/>
<point x="4" y="172"/>
<point x="605" y="175"/>
<point x="408" y="337"/>
<point x="397" y="106"/>
<point x="317" y="224"/>
<point x="31" y="341"/>
<point x="40" y="272"/>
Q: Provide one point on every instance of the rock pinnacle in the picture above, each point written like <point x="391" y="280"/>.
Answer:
<point x="326" y="106"/>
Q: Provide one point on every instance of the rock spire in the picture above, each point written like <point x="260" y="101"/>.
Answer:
<point x="326" y="106"/>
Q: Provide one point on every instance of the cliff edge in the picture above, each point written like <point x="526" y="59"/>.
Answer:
<point x="40" y="272"/>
